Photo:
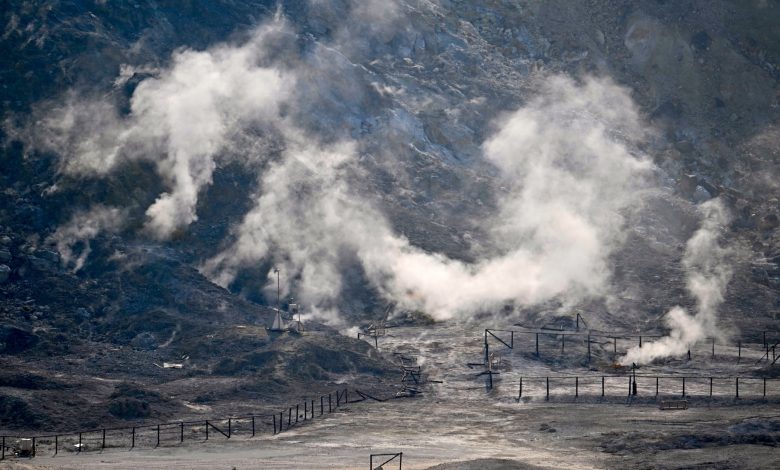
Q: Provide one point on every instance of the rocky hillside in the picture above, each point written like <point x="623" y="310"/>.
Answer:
<point x="404" y="99"/>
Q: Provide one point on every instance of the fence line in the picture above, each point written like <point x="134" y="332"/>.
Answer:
<point x="591" y="337"/>
<point x="632" y="388"/>
<point x="154" y="435"/>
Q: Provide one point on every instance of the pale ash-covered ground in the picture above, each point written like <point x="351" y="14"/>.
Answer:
<point x="458" y="420"/>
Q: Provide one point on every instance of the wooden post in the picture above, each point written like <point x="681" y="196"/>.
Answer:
<point x="56" y="444"/>
<point x="689" y="354"/>
<point x="322" y="406"/>
<point x="576" y="387"/>
<point x="656" y="386"/>
<point x="274" y="423"/>
<point x="253" y="426"/>
<point x="614" y="345"/>
<point x="132" y="439"/>
<point x="181" y="432"/>
<point x="79" y="442"/>
<point x="312" y="408"/>
<point x="548" y="389"/>
<point x="158" y="436"/>
<point x="297" y="411"/>
<point x="103" y="442"/>
<point x="512" y="339"/>
<point x="537" y="344"/>
<point x="330" y="408"/>
<point x="281" y="420"/>
<point x="207" y="430"/>
<point x="602" y="385"/>
<point x="737" y="387"/>
<point x="520" y="393"/>
<point x="230" y="427"/>
<point x="640" y="341"/>
<point x="683" y="393"/>
<point x="305" y="410"/>
<point x="289" y="417"/>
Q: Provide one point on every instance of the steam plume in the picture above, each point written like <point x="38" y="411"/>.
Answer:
<point x="81" y="229"/>
<point x="708" y="274"/>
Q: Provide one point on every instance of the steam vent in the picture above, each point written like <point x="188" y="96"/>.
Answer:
<point x="402" y="234"/>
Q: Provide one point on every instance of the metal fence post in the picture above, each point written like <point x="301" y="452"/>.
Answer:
<point x="56" y="444"/>
<point x="181" y="432"/>
<point x="737" y="387"/>
<point x="520" y="393"/>
<point x="79" y="442"/>
<point x="158" y="436"/>
<point x="103" y="442"/>
<point x="576" y="387"/>
<point x="683" y="392"/>
<point x="548" y="389"/>
<point x="537" y="344"/>
<point x="588" y="347"/>
<point x="602" y="385"/>
<point x="132" y="439"/>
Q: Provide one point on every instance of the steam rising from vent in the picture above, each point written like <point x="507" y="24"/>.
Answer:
<point x="567" y="162"/>
<point x="566" y="159"/>
<point x="73" y="239"/>
<point x="180" y="120"/>
<point x="708" y="274"/>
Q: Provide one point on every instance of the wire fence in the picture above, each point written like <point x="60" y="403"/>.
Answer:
<point x="172" y="433"/>
<point x="647" y="386"/>
<point x="595" y="344"/>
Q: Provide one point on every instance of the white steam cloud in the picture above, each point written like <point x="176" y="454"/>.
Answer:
<point x="180" y="120"/>
<point x="73" y="239"/>
<point x="708" y="274"/>
<point x="565" y="157"/>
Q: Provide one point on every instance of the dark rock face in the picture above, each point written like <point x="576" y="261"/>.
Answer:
<point x="15" y="340"/>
